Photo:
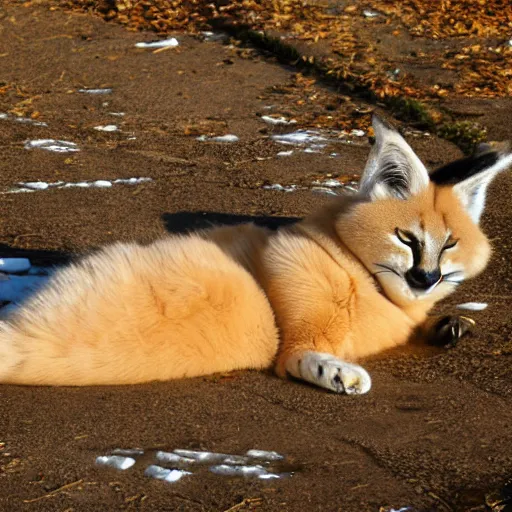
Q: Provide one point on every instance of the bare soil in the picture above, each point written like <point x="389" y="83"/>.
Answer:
<point x="434" y="432"/>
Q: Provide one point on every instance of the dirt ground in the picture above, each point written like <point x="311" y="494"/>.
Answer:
<point x="434" y="432"/>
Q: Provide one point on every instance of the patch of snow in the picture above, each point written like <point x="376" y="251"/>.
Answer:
<point x="101" y="184"/>
<point x="36" y="185"/>
<point x="211" y="456"/>
<point x="107" y="128"/>
<point x="314" y="148"/>
<point x="226" y="138"/>
<point x="214" y="36"/>
<point x="235" y="460"/>
<point x="169" y="475"/>
<point x="269" y="476"/>
<point x="163" y="43"/>
<point x="323" y="190"/>
<point x="14" y="265"/>
<point x="19" y="191"/>
<point x="17" y="288"/>
<point x="33" y="186"/>
<point x="285" y="153"/>
<point x="128" y="452"/>
<point x="280" y="188"/>
<point x="198" y="455"/>
<point x="471" y="306"/>
<point x="357" y="133"/>
<point x="27" y="120"/>
<point x="132" y="181"/>
<point x="117" y="114"/>
<point x="78" y="184"/>
<point x="39" y="271"/>
<point x="248" y="471"/>
<point x="115" y="461"/>
<point x="277" y="120"/>
<point x="219" y="463"/>
<point x="324" y="187"/>
<point x="169" y="457"/>
<point x="265" y="455"/>
<point x="299" y="137"/>
<point x="58" y="146"/>
<point x="106" y="90"/>
<point x="370" y="14"/>
<point x="221" y="138"/>
<point x="331" y="183"/>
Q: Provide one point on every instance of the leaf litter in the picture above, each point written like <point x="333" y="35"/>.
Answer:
<point x="339" y="41"/>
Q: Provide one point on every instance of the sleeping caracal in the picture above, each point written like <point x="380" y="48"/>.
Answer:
<point x="351" y="280"/>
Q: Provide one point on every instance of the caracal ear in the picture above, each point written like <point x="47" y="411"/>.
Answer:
<point x="471" y="176"/>
<point x="393" y="170"/>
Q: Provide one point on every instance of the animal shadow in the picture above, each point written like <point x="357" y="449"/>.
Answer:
<point x="39" y="257"/>
<point x="185" y="222"/>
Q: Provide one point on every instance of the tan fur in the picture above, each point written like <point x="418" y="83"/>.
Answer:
<point x="215" y="301"/>
<point x="177" y="308"/>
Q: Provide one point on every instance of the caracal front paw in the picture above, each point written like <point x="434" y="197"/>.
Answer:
<point x="329" y="372"/>
<point x="447" y="330"/>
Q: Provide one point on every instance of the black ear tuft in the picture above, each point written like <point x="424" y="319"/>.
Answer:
<point x="462" y="169"/>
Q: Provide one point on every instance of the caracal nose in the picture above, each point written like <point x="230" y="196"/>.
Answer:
<point x="419" y="278"/>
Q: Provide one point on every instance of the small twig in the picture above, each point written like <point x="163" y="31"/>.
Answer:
<point x="51" y="38"/>
<point x="360" y="486"/>
<point x="440" y="500"/>
<point x="62" y="75"/>
<point x="24" y="235"/>
<point x="135" y="497"/>
<point x="245" y="501"/>
<point x="56" y="491"/>
<point x="159" y="50"/>
<point x="186" y="498"/>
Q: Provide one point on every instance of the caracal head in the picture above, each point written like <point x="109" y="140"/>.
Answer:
<point x="419" y="234"/>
